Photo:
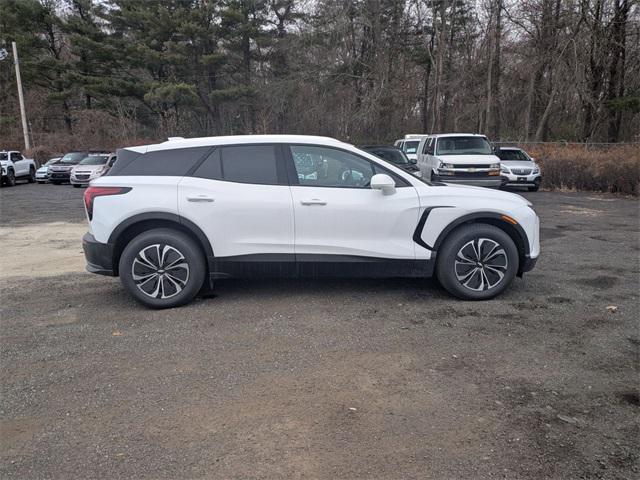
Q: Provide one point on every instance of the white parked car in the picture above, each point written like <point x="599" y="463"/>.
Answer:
<point x="172" y="217"/>
<point x="42" y="174"/>
<point x="517" y="168"/>
<point x="459" y="158"/>
<point x="15" y="166"/>
<point x="90" y="168"/>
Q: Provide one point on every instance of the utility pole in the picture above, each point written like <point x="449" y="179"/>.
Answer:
<point x="23" y="114"/>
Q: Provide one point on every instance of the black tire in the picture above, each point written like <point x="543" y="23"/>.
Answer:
<point x="10" y="179"/>
<point x="453" y="272"/>
<point x="75" y="186"/>
<point x="174" y="244"/>
<point x="55" y="183"/>
<point x="534" y="189"/>
<point x="32" y="175"/>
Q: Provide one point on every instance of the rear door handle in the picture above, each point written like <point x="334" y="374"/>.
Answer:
<point x="313" y="201"/>
<point x="200" y="198"/>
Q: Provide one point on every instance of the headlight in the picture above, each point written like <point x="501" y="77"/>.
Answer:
<point x="446" y="165"/>
<point x="504" y="169"/>
<point x="536" y="171"/>
<point x="494" y="166"/>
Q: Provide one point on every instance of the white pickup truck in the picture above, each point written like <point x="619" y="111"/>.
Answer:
<point x="15" y="166"/>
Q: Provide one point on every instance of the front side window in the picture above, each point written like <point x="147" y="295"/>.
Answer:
<point x="463" y="146"/>
<point x="73" y="158"/>
<point x="17" y="156"/>
<point x="328" y="167"/>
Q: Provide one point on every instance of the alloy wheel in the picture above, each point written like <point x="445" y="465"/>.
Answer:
<point x="160" y="271"/>
<point x="481" y="264"/>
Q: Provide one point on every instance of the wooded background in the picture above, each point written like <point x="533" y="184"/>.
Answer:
<point x="119" y="72"/>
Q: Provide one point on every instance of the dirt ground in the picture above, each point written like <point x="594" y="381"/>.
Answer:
<point x="350" y="379"/>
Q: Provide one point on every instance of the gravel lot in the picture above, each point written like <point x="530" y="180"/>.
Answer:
<point x="346" y="379"/>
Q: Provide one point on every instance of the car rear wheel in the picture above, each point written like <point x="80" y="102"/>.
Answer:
<point x="162" y="268"/>
<point x="75" y="185"/>
<point x="477" y="262"/>
<point x="32" y="175"/>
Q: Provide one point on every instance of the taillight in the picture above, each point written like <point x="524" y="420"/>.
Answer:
<point x="91" y="193"/>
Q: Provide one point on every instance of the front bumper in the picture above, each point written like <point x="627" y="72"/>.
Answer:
<point x="99" y="256"/>
<point x="523" y="180"/>
<point x="493" y="181"/>
<point x="59" y="176"/>
<point x="527" y="265"/>
<point x="74" y="181"/>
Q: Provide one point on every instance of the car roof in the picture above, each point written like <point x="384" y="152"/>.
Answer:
<point x="179" y="142"/>
<point x="439" y="135"/>
<point x="510" y="148"/>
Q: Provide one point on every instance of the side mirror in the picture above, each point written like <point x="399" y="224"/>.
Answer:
<point x="383" y="182"/>
<point x="413" y="161"/>
<point x="496" y="150"/>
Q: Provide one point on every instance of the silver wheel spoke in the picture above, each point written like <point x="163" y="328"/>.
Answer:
<point x="166" y="271"/>
<point x="486" y="270"/>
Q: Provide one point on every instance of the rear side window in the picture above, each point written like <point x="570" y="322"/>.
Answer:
<point x="211" y="168"/>
<point x="250" y="164"/>
<point x="174" y="162"/>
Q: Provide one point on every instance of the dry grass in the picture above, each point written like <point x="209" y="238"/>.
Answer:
<point x="614" y="169"/>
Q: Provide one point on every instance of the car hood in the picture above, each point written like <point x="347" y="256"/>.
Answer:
<point x="518" y="164"/>
<point x="482" y="193"/>
<point x="87" y="168"/>
<point x="468" y="159"/>
<point x="61" y="168"/>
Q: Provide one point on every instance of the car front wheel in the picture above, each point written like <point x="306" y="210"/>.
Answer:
<point x="477" y="262"/>
<point x="162" y="268"/>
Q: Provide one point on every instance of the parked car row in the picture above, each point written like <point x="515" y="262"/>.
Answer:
<point x="469" y="159"/>
<point x="77" y="168"/>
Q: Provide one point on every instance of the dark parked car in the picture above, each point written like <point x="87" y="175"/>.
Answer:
<point x="60" y="172"/>
<point x="393" y="155"/>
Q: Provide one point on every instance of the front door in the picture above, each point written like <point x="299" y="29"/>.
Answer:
<point x="337" y="213"/>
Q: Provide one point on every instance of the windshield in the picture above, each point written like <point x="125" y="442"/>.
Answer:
<point x="392" y="155"/>
<point x="513" y="155"/>
<point x="73" y="157"/>
<point x="463" y="146"/>
<point x="95" y="160"/>
<point x="411" y="147"/>
<point x="4" y="156"/>
<point x="52" y="161"/>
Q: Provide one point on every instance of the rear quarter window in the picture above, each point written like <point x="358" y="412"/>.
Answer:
<point x="175" y="162"/>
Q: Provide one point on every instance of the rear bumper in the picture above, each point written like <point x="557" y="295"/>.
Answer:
<point x="493" y="182"/>
<point x="99" y="256"/>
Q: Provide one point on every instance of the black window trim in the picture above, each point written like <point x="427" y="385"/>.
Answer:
<point x="293" y="174"/>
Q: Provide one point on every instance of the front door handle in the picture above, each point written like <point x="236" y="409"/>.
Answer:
<point x="200" y="198"/>
<point x="313" y="201"/>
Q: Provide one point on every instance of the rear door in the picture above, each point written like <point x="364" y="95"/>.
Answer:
<point x="240" y="198"/>
<point x="337" y="213"/>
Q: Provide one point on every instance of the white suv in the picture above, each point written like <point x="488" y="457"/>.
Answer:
<point x="170" y="219"/>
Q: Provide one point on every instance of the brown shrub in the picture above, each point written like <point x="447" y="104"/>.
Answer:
<point x="614" y="169"/>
